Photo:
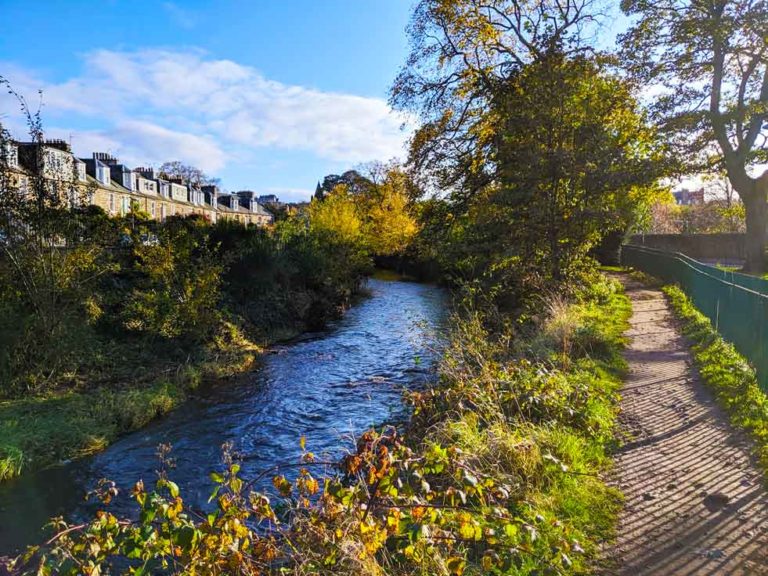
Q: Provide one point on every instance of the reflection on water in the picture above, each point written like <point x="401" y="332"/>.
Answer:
<point x="327" y="387"/>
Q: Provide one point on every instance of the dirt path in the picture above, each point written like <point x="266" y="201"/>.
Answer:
<point x="695" y="501"/>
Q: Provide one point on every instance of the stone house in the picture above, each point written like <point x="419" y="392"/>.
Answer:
<point x="104" y="181"/>
<point x="14" y="176"/>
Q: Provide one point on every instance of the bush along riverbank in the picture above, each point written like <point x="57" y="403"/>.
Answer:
<point x="499" y="471"/>
<point x="100" y="338"/>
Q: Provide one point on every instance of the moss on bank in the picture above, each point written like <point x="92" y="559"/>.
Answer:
<point x="725" y="371"/>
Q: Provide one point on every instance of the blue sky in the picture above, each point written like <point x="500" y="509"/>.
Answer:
<point x="269" y="95"/>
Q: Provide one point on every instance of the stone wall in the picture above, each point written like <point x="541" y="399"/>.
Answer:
<point x="697" y="246"/>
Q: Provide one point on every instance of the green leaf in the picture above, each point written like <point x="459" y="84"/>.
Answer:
<point x="216" y="477"/>
<point x="173" y="488"/>
<point x="511" y="530"/>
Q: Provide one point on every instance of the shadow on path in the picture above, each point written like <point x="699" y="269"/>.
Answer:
<point x="694" y="499"/>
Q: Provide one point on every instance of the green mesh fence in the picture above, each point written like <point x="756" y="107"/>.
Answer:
<point x="736" y="304"/>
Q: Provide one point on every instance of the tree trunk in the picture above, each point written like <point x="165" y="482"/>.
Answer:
<point x="757" y="220"/>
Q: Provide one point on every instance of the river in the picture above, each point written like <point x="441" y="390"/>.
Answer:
<point x="326" y="386"/>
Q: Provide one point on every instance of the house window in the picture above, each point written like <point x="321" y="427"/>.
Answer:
<point x="162" y="212"/>
<point x="11" y="155"/>
<point x="112" y="203"/>
<point x="152" y="209"/>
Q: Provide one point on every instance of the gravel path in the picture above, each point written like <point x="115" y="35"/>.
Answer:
<point x="695" y="500"/>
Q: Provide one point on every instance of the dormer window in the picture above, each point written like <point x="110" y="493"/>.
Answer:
<point x="102" y="174"/>
<point x="23" y="185"/>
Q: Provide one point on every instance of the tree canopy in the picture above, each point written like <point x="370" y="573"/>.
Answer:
<point x="461" y="53"/>
<point x="537" y="148"/>
<point x="374" y="210"/>
<point x="708" y="62"/>
<point x="189" y="174"/>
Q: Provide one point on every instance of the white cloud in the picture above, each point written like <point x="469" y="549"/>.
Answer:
<point x="155" y="142"/>
<point x="140" y="143"/>
<point x="165" y="104"/>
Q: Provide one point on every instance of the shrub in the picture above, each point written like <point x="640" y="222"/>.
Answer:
<point x="176" y="294"/>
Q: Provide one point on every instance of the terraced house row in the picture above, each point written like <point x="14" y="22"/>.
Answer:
<point x="104" y="181"/>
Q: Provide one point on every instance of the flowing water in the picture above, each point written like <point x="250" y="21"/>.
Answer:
<point x="326" y="387"/>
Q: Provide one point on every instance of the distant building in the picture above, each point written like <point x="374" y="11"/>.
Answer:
<point x="249" y="201"/>
<point x="53" y="160"/>
<point x="14" y="175"/>
<point x="146" y="181"/>
<point x="104" y="181"/>
<point x="685" y="197"/>
<point x="56" y="160"/>
<point x="243" y="207"/>
<point x="267" y="199"/>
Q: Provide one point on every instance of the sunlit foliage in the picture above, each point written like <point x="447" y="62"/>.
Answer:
<point x="497" y="474"/>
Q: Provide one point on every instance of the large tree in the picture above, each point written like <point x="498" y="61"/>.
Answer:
<point x="381" y="195"/>
<point x="189" y="174"/>
<point x="707" y="62"/>
<point x="575" y="161"/>
<point x="462" y="52"/>
<point x="575" y="158"/>
<point x="542" y="151"/>
<point x="352" y="179"/>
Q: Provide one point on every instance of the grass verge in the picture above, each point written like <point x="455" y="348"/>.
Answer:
<point x="725" y="371"/>
<point x="536" y="414"/>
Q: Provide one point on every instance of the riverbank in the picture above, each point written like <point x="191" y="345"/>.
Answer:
<point x="527" y="423"/>
<point x="153" y="321"/>
<point x="61" y="426"/>
<point x="40" y="431"/>
<point x="501" y="468"/>
<point x="326" y="386"/>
